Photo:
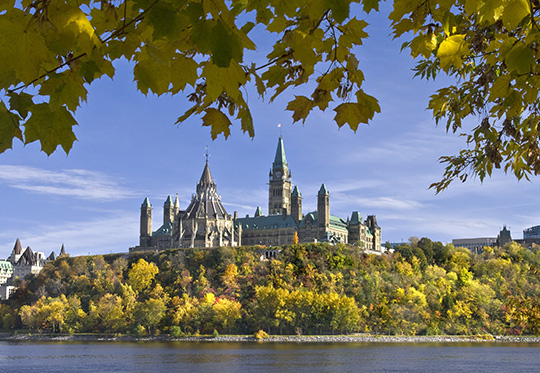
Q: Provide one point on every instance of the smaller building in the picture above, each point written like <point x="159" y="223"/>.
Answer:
<point x="475" y="245"/>
<point x="20" y="264"/>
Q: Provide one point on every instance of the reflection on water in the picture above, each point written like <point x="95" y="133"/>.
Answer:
<point x="266" y="357"/>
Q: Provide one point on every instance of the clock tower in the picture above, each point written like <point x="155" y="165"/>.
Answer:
<point x="279" y="191"/>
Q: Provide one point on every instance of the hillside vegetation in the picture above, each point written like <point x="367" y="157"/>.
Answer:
<point x="423" y="288"/>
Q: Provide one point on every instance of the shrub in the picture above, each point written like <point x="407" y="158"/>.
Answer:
<point x="175" y="332"/>
<point x="261" y="334"/>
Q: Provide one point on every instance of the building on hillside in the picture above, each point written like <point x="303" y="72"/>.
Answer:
<point x="205" y="222"/>
<point x="20" y="264"/>
<point x="475" y="245"/>
<point x="285" y="216"/>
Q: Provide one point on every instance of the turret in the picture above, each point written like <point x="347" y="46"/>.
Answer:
<point x="296" y="205"/>
<point x="168" y="211"/>
<point x="371" y="223"/>
<point x="323" y="207"/>
<point x="146" y="223"/>
<point x="176" y="206"/>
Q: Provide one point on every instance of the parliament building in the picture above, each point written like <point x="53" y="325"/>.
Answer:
<point x="206" y="223"/>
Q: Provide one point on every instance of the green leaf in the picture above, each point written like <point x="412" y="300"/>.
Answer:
<point x="20" y="102"/>
<point x="223" y="79"/>
<point x="218" y="122"/>
<point x="9" y="128"/>
<point x="514" y="11"/>
<point x="300" y="106"/>
<point x="339" y="8"/>
<point x="451" y="51"/>
<point x="166" y="21"/>
<point x="520" y="59"/>
<point x="244" y="115"/>
<point x="50" y="128"/>
<point x="225" y="45"/>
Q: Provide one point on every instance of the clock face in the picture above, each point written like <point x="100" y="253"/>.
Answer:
<point x="278" y="174"/>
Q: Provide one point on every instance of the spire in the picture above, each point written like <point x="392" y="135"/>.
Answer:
<point x="323" y="190"/>
<point x="17" y="249"/>
<point x="168" y="201"/>
<point x="146" y="203"/>
<point x="295" y="192"/>
<point x="280" y="160"/>
<point x="258" y="212"/>
<point x="176" y="203"/>
<point x="62" y="250"/>
<point x="206" y="177"/>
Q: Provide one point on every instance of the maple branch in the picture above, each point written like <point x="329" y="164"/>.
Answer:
<point x="67" y="62"/>
<point x="284" y="55"/>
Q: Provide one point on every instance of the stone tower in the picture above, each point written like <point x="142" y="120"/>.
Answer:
<point x="279" y="193"/>
<point x="323" y="207"/>
<point x="146" y="223"/>
<point x="296" y="205"/>
<point x="168" y="211"/>
<point x="371" y="222"/>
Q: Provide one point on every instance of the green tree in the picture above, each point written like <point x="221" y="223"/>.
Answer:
<point x="149" y="314"/>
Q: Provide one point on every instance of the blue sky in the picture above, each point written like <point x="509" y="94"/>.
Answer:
<point x="128" y="148"/>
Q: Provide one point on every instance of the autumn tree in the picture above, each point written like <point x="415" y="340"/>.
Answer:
<point x="141" y="275"/>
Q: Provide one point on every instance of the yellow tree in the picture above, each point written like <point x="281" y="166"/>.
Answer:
<point x="141" y="275"/>
<point x="227" y="312"/>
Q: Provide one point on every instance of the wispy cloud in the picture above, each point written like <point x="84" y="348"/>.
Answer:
<point x="97" y="236"/>
<point x="76" y="183"/>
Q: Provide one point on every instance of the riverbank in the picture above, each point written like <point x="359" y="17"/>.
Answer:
<point x="363" y="338"/>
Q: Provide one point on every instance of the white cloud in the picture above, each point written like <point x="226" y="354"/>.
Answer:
<point x="76" y="183"/>
<point x="96" y="236"/>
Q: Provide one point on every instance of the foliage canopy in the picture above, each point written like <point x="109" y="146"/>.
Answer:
<point x="54" y="49"/>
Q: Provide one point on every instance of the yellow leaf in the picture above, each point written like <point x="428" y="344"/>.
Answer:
<point x="223" y="79"/>
<point x="300" y="106"/>
<point x="451" y="51"/>
<point x="514" y="12"/>
<point x="218" y="123"/>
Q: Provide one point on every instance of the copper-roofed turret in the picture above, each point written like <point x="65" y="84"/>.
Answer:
<point x="280" y="161"/>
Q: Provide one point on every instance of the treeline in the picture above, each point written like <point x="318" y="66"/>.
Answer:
<point x="424" y="287"/>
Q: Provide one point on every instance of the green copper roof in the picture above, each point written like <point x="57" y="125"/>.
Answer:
<point x="168" y="201"/>
<point x="146" y="203"/>
<point x="295" y="192"/>
<point x="266" y="222"/>
<point x="323" y="190"/>
<point x="356" y="218"/>
<point x="5" y="266"/>
<point x="280" y="160"/>
<point x="164" y="230"/>
<point x="335" y="221"/>
<point x="258" y="212"/>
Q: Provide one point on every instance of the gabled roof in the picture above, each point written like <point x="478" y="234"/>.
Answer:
<point x="27" y="258"/>
<point x="280" y="161"/>
<point x="266" y="222"/>
<point x="52" y="256"/>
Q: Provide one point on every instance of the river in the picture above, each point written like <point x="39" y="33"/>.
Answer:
<point x="224" y="357"/>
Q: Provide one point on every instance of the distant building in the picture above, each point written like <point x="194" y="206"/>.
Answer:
<point x="475" y="245"/>
<point x="205" y="223"/>
<point x="532" y="232"/>
<point x="20" y="264"/>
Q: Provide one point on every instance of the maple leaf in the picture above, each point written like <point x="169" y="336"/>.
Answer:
<point x="50" y="128"/>
<point x="9" y="128"/>
<point x="300" y="106"/>
<point x="218" y="123"/>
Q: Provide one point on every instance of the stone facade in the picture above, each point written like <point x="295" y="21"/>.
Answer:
<point x="205" y="223"/>
<point x="20" y="264"/>
<point x="285" y="217"/>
